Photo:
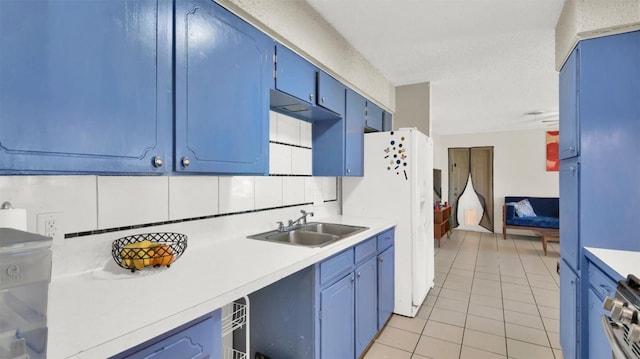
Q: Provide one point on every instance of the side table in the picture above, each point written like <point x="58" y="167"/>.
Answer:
<point x="441" y="224"/>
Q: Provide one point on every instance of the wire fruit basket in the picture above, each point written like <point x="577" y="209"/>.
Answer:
<point x="148" y="250"/>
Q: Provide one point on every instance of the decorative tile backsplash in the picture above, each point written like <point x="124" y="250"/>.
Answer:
<point x="90" y="203"/>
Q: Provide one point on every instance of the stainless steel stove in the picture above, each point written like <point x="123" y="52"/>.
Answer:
<point x="621" y="326"/>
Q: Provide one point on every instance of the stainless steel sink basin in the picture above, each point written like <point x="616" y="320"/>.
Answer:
<point x="340" y="230"/>
<point x="310" y="235"/>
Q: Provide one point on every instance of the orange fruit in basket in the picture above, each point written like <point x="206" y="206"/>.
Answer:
<point x="163" y="255"/>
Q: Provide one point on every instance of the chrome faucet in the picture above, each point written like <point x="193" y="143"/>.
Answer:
<point x="302" y="220"/>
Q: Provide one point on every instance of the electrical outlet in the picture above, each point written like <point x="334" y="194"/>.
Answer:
<point x="49" y="225"/>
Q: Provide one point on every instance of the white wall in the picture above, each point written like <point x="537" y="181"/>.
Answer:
<point x="90" y="203"/>
<point x="412" y="107"/>
<point x="519" y="165"/>
<point x="583" y="19"/>
<point x="296" y="24"/>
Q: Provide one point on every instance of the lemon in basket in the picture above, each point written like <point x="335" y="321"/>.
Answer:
<point x="138" y="255"/>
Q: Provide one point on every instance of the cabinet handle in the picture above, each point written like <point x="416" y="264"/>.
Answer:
<point x="571" y="148"/>
<point x="311" y="97"/>
<point x="358" y="274"/>
<point x="322" y="99"/>
<point x="157" y="161"/>
<point x="348" y="170"/>
<point x="186" y="161"/>
<point x="381" y="259"/>
<point x="606" y="289"/>
<point x="353" y="279"/>
<point x="572" y="170"/>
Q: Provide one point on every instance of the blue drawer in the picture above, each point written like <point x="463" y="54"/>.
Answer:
<point x="385" y="239"/>
<point x="602" y="284"/>
<point x="201" y="340"/>
<point x="366" y="250"/>
<point x="336" y="266"/>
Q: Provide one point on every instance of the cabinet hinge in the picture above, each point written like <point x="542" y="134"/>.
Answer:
<point x="320" y="315"/>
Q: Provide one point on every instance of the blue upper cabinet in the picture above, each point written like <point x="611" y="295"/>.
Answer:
<point x="295" y="75"/>
<point x="298" y="85"/>
<point x="223" y="73"/>
<point x="387" y="121"/>
<point x="570" y="209"/>
<point x="330" y="93"/>
<point x="354" y="122"/>
<point x="85" y="86"/>
<point x="609" y="80"/>
<point x="569" y="131"/>
<point x="374" y="117"/>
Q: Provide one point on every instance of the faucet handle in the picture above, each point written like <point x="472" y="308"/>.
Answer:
<point x="280" y="226"/>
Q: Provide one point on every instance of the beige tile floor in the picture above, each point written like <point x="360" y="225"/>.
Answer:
<point x="493" y="298"/>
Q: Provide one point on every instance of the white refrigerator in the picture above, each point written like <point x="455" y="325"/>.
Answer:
<point x="398" y="185"/>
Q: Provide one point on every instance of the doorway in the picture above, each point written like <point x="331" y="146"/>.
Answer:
<point x="471" y="188"/>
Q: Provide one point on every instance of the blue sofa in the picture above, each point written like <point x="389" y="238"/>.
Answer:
<point x="547" y="215"/>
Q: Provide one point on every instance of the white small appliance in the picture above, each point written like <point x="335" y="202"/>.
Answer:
<point x="398" y="185"/>
<point x="25" y="273"/>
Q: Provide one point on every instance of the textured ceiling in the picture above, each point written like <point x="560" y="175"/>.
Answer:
<point x="488" y="61"/>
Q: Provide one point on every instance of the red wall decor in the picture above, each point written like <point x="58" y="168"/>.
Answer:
<point x="553" y="163"/>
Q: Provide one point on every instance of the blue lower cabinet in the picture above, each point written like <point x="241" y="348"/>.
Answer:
<point x="386" y="282"/>
<point x="336" y="319"/>
<point x="569" y="312"/>
<point x="330" y="310"/>
<point x="366" y="304"/>
<point x="200" y="339"/>
<point x="595" y="288"/>
<point x="597" y="345"/>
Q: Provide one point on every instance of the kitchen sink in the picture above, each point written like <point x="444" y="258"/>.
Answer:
<point x="311" y="234"/>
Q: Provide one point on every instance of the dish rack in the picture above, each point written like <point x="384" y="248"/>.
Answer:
<point x="235" y="315"/>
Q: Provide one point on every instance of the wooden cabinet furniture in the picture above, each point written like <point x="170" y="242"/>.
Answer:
<point x="332" y="309"/>
<point x="441" y="224"/>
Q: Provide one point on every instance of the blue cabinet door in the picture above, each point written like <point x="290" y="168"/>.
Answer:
<point x="597" y="344"/>
<point x="223" y="73"/>
<point x="295" y="75"/>
<point x="569" y="310"/>
<point x="569" y="123"/>
<point x="374" y="117"/>
<point x="330" y="93"/>
<point x="570" y="211"/>
<point x="337" y="320"/>
<point x="202" y="340"/>
<point x="385" y="286"/>
<point x="387" y="121"/>
<point x="354" y="126"/>
<point x="609" y="128"/>
<point x="366" y="304"/>
<point x="85" y="86"/>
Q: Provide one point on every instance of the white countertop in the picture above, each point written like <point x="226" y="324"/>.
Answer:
<point x="103" y="312"/>
<point x="622" y="262"/>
